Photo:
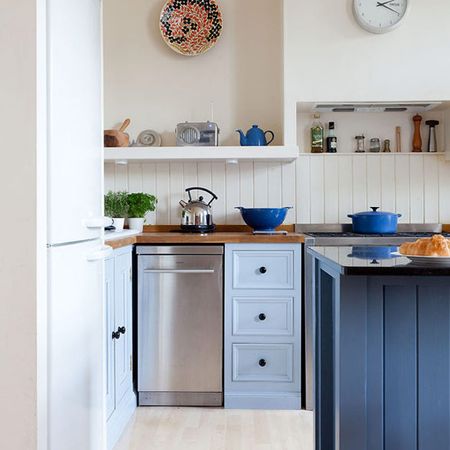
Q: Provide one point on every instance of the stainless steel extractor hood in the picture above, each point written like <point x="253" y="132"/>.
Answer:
<point x="374" y="107"/>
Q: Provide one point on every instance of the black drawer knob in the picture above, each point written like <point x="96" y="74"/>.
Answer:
<point x="262" y="270"/>
<point x="121" y="330"/>
<point x="262" y="363"/>
<point x="262" y="317"/>
<point x="115" y="335"/>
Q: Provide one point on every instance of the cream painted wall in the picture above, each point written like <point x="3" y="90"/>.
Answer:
<point x="328" y="57"/>
<point x="18" y="426"/>
<point x="158" y="88"/>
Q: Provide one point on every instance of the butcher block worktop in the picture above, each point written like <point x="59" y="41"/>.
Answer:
<point x="241" y="235"/>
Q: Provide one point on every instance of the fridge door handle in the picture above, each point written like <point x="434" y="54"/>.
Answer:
<point x="102" y="253"/>
<point x="98" y="222"/>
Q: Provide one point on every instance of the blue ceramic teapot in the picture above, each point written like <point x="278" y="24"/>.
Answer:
<point x="255" y="137"/>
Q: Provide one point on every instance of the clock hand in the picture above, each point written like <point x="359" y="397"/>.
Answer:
<point x="384" y="3"/>
<point x="387" y="7"/>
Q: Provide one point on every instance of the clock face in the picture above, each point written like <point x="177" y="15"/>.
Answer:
<point x="380" y="16"/>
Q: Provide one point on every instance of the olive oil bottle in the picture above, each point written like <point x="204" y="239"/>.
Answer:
<point x="317" y="138"/>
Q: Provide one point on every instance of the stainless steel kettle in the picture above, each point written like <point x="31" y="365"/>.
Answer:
<point x="196" y="216"/>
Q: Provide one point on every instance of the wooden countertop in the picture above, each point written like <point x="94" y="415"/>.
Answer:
<point x="216" y="238"/>
<point x="122" y="242"/>
<point x="227" y="237"/>
<point x="226" y="234"/>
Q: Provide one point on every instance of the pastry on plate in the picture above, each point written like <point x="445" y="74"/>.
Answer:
<point x="437" y="245"/>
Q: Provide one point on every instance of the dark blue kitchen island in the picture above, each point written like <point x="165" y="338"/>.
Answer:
<point x="382" y="351"/>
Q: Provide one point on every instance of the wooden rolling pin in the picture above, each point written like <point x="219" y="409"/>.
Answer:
<point x="117" y="138"/>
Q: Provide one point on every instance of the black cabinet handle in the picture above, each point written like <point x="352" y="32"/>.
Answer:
<point x="262" y="363"/>
<point x="115" y="335"/>
<point x="262" y="317"/>
<point x="121" y="330"/>
<point x="262" y="270"/>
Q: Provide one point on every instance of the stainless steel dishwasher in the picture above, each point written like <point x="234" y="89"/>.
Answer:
<point x="180" y="322"/>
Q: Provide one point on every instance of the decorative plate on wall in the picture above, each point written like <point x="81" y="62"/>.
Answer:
<point x="191" y="27"/>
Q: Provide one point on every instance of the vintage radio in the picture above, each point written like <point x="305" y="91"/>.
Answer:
<point x="203" y="134"/>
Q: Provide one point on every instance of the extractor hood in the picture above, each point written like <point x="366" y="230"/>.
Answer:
<point x="374" y="107"/>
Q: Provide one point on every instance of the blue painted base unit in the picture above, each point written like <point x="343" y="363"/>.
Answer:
<point x="120" y="397"/>
<point x="262" y="326"/>
<point x="382" y="361"/>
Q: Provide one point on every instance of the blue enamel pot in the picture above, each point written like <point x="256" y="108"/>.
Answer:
<point x="375" y="222"/>
<point x="263" y="219"/>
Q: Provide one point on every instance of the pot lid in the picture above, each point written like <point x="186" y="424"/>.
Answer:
<point x="374" y="212"/>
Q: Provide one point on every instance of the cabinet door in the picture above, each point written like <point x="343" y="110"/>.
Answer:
<point x="109" y="328"/>
<point x="123" y="323"/>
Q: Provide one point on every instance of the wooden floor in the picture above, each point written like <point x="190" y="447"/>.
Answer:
<point x="217" y="429"/>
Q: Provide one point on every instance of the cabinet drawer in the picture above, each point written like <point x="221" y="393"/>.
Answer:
<point x="263" y="269"/>
<point x="256" y="316"/>
<point x="263" y="362"/>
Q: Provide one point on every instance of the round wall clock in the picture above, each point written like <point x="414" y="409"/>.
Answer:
<point x="190" y="27"/>
<point x="379" y="16"/>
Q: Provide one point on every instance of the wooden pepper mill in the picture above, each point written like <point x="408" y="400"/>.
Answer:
<point x="417" y="140"/>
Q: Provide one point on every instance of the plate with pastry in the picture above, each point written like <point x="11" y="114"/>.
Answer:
<point x="434" y="250"/>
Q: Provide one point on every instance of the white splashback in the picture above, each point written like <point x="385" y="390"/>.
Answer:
<point x="321" y="188"/>
<point x="414" y="185"/>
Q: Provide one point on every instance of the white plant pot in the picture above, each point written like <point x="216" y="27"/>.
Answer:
<point x="119" y="223"/>
<point x="136" y="224"/>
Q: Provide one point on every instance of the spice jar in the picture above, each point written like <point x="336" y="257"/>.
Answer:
<point x="360" y="144"/>
<point x="375" y="145"/>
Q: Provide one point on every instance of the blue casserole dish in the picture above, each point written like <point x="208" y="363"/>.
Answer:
<point x="374" y="222"/>
<point x="263" y="219"/>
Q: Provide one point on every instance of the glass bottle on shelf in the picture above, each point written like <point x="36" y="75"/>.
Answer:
<point x="317" y="140"/>
<point x="360" y="144"/>
<point x="331" y="139"/>
<point x="375" y="145"/>
<point x="387" y="146"/>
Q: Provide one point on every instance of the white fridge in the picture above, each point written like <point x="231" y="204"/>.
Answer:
<point x="73" y="103"/>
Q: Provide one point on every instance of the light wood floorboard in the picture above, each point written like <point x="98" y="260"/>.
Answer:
<point x="217" y="429"/>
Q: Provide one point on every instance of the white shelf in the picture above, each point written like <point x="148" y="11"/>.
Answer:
<point x="374" y="153"/>
<point x="230" y="154"/>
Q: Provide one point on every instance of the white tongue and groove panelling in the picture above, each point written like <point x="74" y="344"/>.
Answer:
<point x="246" y="184"/>
<point x="321" y="188"/>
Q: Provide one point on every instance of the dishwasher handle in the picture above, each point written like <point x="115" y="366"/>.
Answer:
<point x="180" y="271"/>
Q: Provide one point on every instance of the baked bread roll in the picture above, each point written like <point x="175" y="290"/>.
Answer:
<point x="437" y="245"/>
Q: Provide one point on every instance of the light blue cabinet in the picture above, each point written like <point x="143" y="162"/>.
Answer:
<point x="262" y="326"/>
<point x="120" y="398"/>
<point x="109" y="328"/>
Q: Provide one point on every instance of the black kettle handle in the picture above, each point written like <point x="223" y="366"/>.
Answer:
<point x="214" y="196"/>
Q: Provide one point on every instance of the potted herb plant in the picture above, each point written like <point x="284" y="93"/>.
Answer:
<point x="139" y="205"/>
<point x="116" y="206"/>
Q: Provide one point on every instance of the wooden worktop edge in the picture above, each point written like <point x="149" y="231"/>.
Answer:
<point x="122" y="242"/>
<point x="225" y="234"/>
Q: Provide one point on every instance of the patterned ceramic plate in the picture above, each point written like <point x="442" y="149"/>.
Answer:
<point x="191" y="27"/>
